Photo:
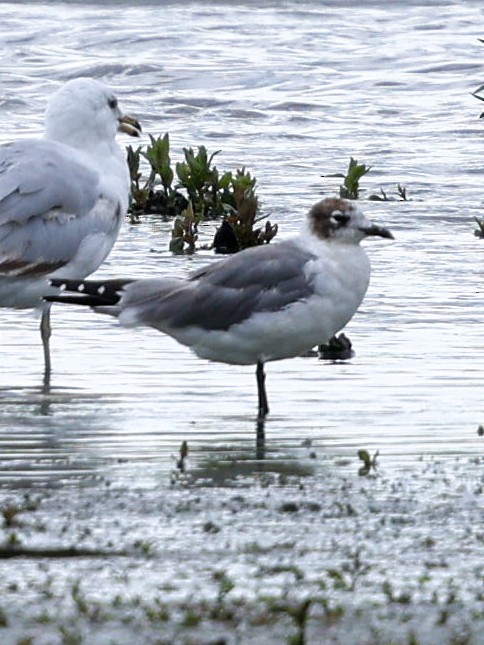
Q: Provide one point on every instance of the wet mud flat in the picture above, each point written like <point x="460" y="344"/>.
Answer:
<point x="392" y="557"/>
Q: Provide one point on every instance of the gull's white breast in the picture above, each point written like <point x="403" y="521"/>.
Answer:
<point x="340" y="277"/>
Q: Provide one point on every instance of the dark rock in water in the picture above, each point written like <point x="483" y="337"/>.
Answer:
<point x="339" y="348"/>
<point x="225" y="240"/>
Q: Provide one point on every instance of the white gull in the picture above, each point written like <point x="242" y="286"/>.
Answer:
<point x="63" y="197"/>
<point x="263" y="304"/>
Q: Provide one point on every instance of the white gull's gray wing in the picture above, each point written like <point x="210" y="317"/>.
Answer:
<point x="49" y="204"/>
<point x="261" y="279"/>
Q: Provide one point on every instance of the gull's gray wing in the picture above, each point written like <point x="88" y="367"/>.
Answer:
<point x="261" y="279"/>
<point x="47" y="203"/>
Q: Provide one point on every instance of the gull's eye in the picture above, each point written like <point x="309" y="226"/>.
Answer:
<point x="341" y="218"/>
<point x="113" y="103"/>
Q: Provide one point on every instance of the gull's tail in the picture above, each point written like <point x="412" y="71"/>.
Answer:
<point x="90" y="293"/>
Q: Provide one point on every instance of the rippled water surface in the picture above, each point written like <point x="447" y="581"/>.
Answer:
<point x="290" y="90"/>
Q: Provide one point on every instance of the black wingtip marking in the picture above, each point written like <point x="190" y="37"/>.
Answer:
<point x="92" y="293"/>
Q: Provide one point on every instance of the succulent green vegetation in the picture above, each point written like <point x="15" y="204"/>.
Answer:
<point x="192" y="191"/>
<point x="369" y="463"/>
<point x="350" y="188"/>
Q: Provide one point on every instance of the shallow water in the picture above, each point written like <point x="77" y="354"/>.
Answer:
<point x="290" y="90"/>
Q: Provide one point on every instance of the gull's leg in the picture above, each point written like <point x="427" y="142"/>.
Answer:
<point x="261" y="390"/>
<point x="260" y="441"/>
<point x="45" y="332"/>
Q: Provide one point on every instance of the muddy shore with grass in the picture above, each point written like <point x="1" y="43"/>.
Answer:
<point x="393" y="557"/>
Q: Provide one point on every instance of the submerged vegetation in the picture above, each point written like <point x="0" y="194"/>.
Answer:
<point x="193" y="191"/>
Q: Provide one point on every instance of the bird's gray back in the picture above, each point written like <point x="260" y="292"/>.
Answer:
<point x="225" y="293"/>
<point x="49" y="203"/>
<point x="37" y="175"/>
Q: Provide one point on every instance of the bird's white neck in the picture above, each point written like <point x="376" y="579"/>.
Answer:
<point x="104" y="156"/>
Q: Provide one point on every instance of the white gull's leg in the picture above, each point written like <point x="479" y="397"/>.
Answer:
<point x="261" y="391"/>
<point x="45" y="333"/>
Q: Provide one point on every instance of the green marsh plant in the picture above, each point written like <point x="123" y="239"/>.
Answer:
<point x="350" y="188"/>
<point x="192" y="191"/>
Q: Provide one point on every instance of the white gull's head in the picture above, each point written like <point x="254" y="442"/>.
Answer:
<point x="84" y="112"/>
<point x="341" y="220"/>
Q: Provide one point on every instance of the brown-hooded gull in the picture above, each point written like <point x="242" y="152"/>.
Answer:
<point x="263" y="304"/>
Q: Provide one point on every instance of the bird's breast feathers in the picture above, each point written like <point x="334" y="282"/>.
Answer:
<point x="339" y="279"/>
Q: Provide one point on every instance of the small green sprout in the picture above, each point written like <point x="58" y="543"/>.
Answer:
<point x="351" y="185"/>
<point x="369" y="463"/>
<point x="180" y="464"/>
<point x="350" y="189"/>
